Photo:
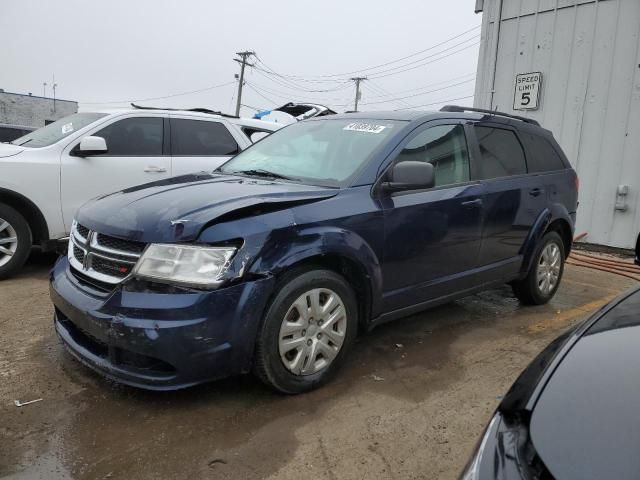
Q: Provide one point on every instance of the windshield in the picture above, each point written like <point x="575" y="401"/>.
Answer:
<point x="320" y="152"/>
<point x="50" y="134"/>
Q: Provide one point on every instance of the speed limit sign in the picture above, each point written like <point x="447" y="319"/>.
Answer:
<point x="527" y="91"/>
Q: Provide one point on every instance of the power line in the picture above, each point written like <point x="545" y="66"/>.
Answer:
<point x="440" y="102"/>
<point x="283" y="80"/>
<point x="159" y="98"/>
<point x="289" y="96"/>
<point x="379" y="90"/>
<point x="428" y="85"/>
<point x="382" y="64"/>
<point x="388" y="72"/>
<point x="263" y="96"/>
<point x="289" y="87"/>
<point x="417" y="63"/>
<point x="422" y="93"/>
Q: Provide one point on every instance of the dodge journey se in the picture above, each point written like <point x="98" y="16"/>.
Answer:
<point x="277" y="260"/>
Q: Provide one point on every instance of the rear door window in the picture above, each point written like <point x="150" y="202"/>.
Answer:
<point x="201" y="138"/>
<point x="443" y="146"/>
<point x="541" y="156"/>
<point x="501" y="153"/>
<point x="133" y="137"/>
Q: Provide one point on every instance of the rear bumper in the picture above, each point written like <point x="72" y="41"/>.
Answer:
<point x="161" y="339"/>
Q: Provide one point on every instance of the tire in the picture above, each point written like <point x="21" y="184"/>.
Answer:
<point x="535" y="290"/>
<point x="13" y="254"/>
<point x="295" y="350"/>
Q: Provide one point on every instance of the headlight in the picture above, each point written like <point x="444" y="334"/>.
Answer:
<point x="184" y="264"/>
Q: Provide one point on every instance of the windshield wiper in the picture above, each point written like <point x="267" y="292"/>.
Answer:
<point x="259" y="172"/>
<point x="23" y="143"/>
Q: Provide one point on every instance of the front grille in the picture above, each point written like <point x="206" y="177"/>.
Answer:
<point x="101" y="260"/>
<point x="119" y="244"/>
<point x="111" y="267"/>
<point x="78" y="254"/>
<point x="82" y="230"/>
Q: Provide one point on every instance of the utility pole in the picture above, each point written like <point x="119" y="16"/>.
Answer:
<point x="53" y="86"/>
<point x="244" y="56"/>
<point x="357" y="80"/>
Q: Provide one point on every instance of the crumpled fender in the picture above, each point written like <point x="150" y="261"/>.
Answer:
<point x="315" y="241"/>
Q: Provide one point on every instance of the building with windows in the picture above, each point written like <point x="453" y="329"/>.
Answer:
<point x="32" y="111"/>
<point x="574" y="65"/>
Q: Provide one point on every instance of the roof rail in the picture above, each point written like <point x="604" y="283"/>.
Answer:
<point x="199" y="110"/>
<point x="456" y="108"/>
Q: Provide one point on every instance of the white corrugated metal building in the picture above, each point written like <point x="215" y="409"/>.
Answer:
<point x="588" y="54"/>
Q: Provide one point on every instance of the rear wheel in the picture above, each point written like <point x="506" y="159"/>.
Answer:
<point x="543" y="279"/>
<point x="307" y="331"/>
<point x="15" y="241"/>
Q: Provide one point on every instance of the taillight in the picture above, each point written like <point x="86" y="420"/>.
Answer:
<point x="577" y="183"/>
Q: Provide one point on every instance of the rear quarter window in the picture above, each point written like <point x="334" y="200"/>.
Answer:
<point x="501" y="153"/>
<point x="541" y="155"/>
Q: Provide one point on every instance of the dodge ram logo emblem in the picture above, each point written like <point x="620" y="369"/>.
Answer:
<point x="86" y="262"/>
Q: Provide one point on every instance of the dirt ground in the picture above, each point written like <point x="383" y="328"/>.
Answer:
<point x="410" y="404"/>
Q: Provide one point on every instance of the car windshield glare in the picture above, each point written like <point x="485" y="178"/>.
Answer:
<point x="56" y="131"/>
<point x="326" y="152"/>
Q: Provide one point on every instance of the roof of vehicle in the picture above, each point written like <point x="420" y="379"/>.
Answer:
<point x="419" y="116"/>
<point x="249" y="122"/>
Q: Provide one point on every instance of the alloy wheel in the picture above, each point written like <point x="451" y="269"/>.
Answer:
<point x="312" y="332"/>
<point x="8" y="242"/>
<point x="549" y="268"/>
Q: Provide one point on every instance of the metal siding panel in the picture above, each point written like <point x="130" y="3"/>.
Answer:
<point x="528" y="7"/>
<point x="595" y="120"/>
<point x="484" y="72"/>
<point x="577" y="80"/>
<point x="524" y="55"/>
<point x="542" y="54"/>
<point x="556" y="73"/>
<point x="624" y="226"/>
<point x="546" y="5"/>
<point x="508" y="48"/>
<point x="511" y="8"/>
<point x="566" y="3"/>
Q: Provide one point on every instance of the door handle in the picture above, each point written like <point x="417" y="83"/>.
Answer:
<point x="154" y="169"/>
<point x="472" y="203"/>
<point x="534" y="192"/>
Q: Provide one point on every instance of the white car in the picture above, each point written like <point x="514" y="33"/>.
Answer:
<point x="47" y="174"/>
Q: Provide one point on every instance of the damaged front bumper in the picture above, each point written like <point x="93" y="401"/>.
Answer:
<point x="159" y="337"/>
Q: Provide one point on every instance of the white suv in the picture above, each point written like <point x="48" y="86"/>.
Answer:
<point x="47" y="174"/>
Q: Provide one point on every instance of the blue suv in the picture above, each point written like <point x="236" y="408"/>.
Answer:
<point x="276" y="261"/>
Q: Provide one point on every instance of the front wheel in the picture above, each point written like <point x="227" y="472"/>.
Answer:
<point x="543" y="279"/>
<point x="307" y="331"/>
<point x="15" y="241"/>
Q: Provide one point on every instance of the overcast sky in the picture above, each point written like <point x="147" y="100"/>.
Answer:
<point x="116" y="50"/>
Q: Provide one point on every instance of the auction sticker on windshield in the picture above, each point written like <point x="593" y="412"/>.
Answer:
<point x="365" y="127"/>
<point x="67" y="127"/>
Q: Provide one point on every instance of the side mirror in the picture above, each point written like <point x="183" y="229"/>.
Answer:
<point x="91" y="146"/>
<point x="411" y="175"/>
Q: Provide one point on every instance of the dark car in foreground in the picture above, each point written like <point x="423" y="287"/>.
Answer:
<point x="331" y="226"/>
<point x="573" y="413"/>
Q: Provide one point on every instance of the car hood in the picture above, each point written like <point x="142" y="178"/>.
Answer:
<point x="177" y="209"/>
<point x="9" y="150"/>
<point x="585" y="423"/>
